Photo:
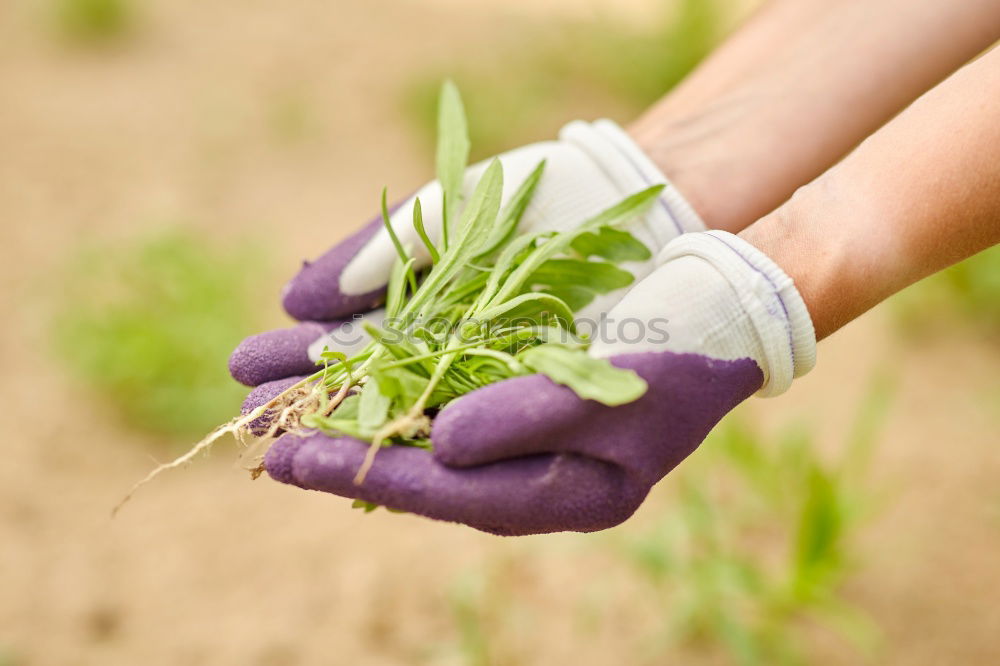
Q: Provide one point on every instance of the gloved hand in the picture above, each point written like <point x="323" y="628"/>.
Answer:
<point x="589" y="168"/>
<point x="526" y="456"/>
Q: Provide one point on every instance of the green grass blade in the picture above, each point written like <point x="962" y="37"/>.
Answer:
<point x="505" y="263"/>
<point x="513" y="212"/>
<point x="622" y="211"/>
<point x="452" y="154"/>
<point x="477" y="220"/>
<point x="418" y="224"/>
<point x="404" y="256"/>
<point x="396" y="291"/>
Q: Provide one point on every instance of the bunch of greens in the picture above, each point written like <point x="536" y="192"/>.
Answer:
<point x="494" y="303"/>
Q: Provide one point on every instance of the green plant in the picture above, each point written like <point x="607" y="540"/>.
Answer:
<point x="556" y="72"/>
<point x="144" y="323"/>
<point x="8" y="657"/>
<point x="744" y="563"/>
<point x="494" y="304"/>
<point x="758" y="541"/>
<point x="491" y="625"/>
<point x="93" y="21"/>
<point x="468" y="600"/>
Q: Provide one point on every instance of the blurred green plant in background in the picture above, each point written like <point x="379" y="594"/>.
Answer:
<point x="968" y="291"/>
<point x="93" y="21"/>
<point x="483" y="607"/>
<point x="745" y="564"/>
<point x="516" y="94"/>
<point x="147" y="325"/>
<point x="7" y="657"/>
<point x="759" y="540"/>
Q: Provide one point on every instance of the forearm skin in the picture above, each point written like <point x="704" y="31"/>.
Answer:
<point x="917" y="196"/>
<point x="797" y="88"/>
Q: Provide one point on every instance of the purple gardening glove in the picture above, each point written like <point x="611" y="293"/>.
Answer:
<point x="715" y="322"/>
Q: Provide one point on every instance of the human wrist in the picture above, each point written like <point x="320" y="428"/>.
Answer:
<point x="833" y="247"/>
<point x="753" y="300"/>
<point x="719" y="156"/>
<point x="677" y="157"/>
<point x="628" y="165"/>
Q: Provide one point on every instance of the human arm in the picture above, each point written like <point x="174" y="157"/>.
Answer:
<point x="795" y="89"/>
<point x="525" y="455"/>
<point x="780" y="101"/>
<point x="917" y="196"/>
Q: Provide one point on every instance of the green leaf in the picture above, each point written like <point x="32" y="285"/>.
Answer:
<point x="343" y="421"/>
<point x="572" y="295"/>
<point x="533" y="308"/>
<point x="624" y="210"/>
<point x="396" y="291"/>
<point x="401" y="252"/>
<point x="598" y="276"/>
<point x="399" y="383"/>
<point x="366" y="506"/>
<point x="348" y="408"/>
<point x="478" y="219"/>
<point x="513" y="212"/>
<point x="590" y="378"/>
<point x="396" y="342"/>
<point x="467" y="289"/>
<point x="611" y="244"/>
<point x="418" y="225"/>
<point x="509" y="258"/>
<point x="373" y="407"/>
<point x="480" y="216"/>
<point x="506" y="363"/>
<point x="452" y="154"/>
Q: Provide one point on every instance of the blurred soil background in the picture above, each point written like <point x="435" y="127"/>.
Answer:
<point x="164" y="166"/>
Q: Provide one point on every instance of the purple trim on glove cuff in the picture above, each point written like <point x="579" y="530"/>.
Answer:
<point x="774" y="288"/>
<point x="642" y="175"/>
<point x="314" y="294"/>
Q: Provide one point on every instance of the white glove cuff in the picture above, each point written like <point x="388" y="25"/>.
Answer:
<point x="624" y="164"/>
<point x="785" y="347"/>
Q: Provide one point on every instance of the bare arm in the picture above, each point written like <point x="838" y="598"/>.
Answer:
<point x="797" y="88"/>
<point x="917" y="196"/>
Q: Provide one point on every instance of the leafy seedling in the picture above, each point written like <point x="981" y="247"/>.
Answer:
<point x="495" y="303"/>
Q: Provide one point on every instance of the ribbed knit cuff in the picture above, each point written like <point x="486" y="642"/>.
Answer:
<point x="624" y="163"/>
<point x="786" y="340"/>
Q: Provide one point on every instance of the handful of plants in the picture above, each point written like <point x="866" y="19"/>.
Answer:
<point x="493" y="304"/>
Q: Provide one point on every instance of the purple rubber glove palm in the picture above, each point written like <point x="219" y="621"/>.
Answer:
<point x="714" y="323"/>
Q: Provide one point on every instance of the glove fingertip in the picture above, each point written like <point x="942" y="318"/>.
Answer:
<point x="274" y="354"/>
<point x="515" y="417"/>
<point x="280" y="458"/>
<point x="315" y="293"/>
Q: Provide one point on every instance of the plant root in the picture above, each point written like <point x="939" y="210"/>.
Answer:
<point x="203" y="445"/>
<point x="294" y="402"/>
<point x="408" y="425"/>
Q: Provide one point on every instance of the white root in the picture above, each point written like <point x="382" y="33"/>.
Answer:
<point x="408" y="426"/>
<point x="295" y="401"/>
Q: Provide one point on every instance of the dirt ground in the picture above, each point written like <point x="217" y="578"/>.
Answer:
<point x="186" y="121"/>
